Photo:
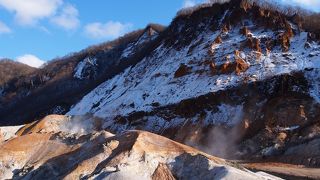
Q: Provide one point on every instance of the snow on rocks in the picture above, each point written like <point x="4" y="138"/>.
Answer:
<point x="313" y="77"/>
<point x="82" y="66"/>
<point x="76" y="125"/>
<point x="152" y="80"/>
<point x="147" y="36"/>
<point x="226" y="115"/>
<point x="8" y="132"/>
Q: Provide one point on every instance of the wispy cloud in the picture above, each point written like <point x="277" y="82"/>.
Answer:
<point x="68" y="18"/>
<point x="107" y="30"/>
<point x="188" y="3"/>
<point x="4" y="29"/>
<point x="313" y="5"/>
<point x="29" y="12"/>
<point x="30" y="60"/>
<point x="191" y="3"/>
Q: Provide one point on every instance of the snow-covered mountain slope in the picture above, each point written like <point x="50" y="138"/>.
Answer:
<point x="83" y="68"/>
<point x="88" y="68"/>
<point x="213" y="61"/>
<point x="224" y="67"/>
<point x="149" y="35"/>
<point x="51" y="152"/>
<point x="154" y="80"/>
<point x="64" y="81"/>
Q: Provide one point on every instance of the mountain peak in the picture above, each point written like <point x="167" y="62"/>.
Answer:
<point x="10" y="69"/>
<point x="155" y="27"/>
<point x="261" y="9"/>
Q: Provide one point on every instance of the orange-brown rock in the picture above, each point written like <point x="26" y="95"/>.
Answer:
<point x="244" y="31"/>
<point x="182" y="71"/>
<point x="226" y="66"/>
<point x="253" y="43"/>
<point x="226" y="28"/>
<point x="241" y="65"/>
<point x="129" y="155"/>
<point x="218" y="40"/>
<point x="162" y="172"/>
<point x="285" y="38"/>
<point x="213" y="67"/>
<point x="245" y="4"/>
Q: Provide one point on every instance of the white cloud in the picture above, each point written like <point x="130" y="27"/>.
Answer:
<point x="44" y="29"/>
<point x="30" y="60"/>
<point x="28" y="12"/>
<point x="305" y="2"/>
<point x="107" y="30"/>
<point x="191" y="3"/>
<point x="68" y="18"/>
<point x="188" y="3"/>
<point x="4" y="29"/>
<point x="309" y="4"/>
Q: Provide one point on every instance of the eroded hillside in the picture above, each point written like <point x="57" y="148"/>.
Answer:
<point x="62" y="82"/>
<point x="226" y="80"/>
<point x="237" y="80"/>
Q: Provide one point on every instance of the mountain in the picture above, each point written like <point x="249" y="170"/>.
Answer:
<point x="238" y="80"/>
<point x="64" y="81"/>
<point x="226" y="80"/>
<point x="57" y="153"/>
<point x="11" y="69"/>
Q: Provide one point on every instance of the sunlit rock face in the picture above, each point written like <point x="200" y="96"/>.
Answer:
<point x="46" y="149"/>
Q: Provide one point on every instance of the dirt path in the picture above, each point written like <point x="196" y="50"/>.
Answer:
<point x="285" y="170"/>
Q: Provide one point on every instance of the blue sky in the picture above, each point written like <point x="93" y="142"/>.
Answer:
<point x="70" y="25"/>
<point x="32" y="31"/>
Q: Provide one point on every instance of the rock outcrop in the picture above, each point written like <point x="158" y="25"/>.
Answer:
<point x="46" y="150"/>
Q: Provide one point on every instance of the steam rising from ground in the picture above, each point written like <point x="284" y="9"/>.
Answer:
<point x="220" y="140"/>
<point x="81" y="125"/>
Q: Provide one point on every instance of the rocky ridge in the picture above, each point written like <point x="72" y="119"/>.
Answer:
<point x="47" y="149"/>
<point x="224" y="75"/>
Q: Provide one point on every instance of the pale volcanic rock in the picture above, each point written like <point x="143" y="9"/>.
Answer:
<point x="102" y="155"/>
<point x="8" y="132"/>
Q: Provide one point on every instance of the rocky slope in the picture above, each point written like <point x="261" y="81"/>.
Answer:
<point x="226" y="80"/>
<point x="64" y="81"/>
<point x="48" y="150"/>
<point x="237" y="80"/>
<point x="11" y="69"/>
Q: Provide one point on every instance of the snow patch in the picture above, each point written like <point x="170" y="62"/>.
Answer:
<point x="81" y="67"/>
<point x="145" y="37"/>
<point x="152" y="79"/>
<point x="8" y="132"/>
<point x="291" y="128"/>
<point x="226" y="115"/>
<point x="313" y="78"/>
